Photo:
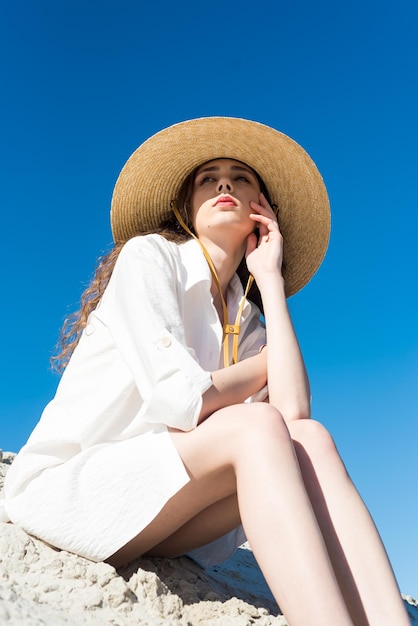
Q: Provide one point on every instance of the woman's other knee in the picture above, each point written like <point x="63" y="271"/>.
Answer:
<point x="313" y="440"/>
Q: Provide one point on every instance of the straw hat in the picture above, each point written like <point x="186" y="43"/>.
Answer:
<point x="153" y="175"/>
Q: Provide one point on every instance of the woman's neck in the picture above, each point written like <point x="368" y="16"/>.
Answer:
<point x="226" y="260"/>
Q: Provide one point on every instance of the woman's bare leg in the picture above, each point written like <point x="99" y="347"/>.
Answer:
<point x="216" y="520"/>
<point x="357" y="553"/>
<point x="372" y="591"/>
<point x="246" y="449"/>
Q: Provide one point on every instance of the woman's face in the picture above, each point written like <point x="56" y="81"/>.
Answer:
<point x="222" y="192"/>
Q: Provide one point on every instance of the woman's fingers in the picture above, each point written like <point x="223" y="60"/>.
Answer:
<point x="266" y="254"/>
<point x="266" y="225"/>
<point x="264" y="215"/>
<point x="263" y="206"/>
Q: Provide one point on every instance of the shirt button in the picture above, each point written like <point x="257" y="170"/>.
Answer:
<point x="166" y="342"/>
<point x="89" y="329"/>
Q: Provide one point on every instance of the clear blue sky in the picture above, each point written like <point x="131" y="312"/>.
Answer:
<point x="84" y="83"/>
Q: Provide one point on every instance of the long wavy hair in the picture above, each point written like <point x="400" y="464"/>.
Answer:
<point x="170" y="229"/>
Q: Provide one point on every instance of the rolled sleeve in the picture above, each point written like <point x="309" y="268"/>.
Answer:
<point x="180" y="388"/>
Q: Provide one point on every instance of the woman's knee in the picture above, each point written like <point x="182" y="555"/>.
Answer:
<point x="260" y="422"/>
<point x="230" y="433"/>
<point x="315" y="440"/>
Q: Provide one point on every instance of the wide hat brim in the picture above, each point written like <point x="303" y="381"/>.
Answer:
<point x="153" y="175"/>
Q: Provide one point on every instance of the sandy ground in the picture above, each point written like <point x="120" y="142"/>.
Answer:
<point x="42" y="586"/>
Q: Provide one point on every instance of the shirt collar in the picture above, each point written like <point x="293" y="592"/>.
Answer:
<point x="198" y="271"/>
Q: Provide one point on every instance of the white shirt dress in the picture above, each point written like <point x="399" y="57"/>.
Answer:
<point x="100" y="464"/>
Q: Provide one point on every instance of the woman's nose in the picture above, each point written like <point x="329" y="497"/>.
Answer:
<point x="224" y="185"/>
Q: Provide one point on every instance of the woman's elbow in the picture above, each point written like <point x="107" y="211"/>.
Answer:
<point x="297" y="412"/>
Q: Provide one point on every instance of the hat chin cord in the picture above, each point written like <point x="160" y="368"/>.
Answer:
<point x="228" y="329"/>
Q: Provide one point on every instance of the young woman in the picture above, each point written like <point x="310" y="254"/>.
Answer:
<point x="206" y="408"/>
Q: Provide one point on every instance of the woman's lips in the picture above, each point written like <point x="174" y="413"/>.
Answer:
<point x="226" y="201"/>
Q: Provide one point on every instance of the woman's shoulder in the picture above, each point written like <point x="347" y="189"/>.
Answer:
<point x="152" y="246"/>
<point x="150" y="241"/>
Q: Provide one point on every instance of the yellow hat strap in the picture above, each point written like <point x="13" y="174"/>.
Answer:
<point x="228" y="329"/>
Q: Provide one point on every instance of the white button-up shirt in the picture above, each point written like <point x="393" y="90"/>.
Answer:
<point x="100" y="463"/>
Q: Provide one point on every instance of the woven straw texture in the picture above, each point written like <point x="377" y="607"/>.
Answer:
<point x="153" y="175"/>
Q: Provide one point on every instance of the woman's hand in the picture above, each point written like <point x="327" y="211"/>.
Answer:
<point x="264" y="256"/>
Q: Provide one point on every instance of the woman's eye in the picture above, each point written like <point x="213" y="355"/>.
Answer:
<point x="244" y="178"/>
<point x="206" y="179"/>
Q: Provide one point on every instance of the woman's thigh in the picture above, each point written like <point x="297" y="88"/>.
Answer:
<point x="226" y="436"/>
<point x="210" y="453"/>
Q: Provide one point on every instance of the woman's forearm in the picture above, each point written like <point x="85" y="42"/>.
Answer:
<point x="234" y="384"/>
<point x="288" y="381"/>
